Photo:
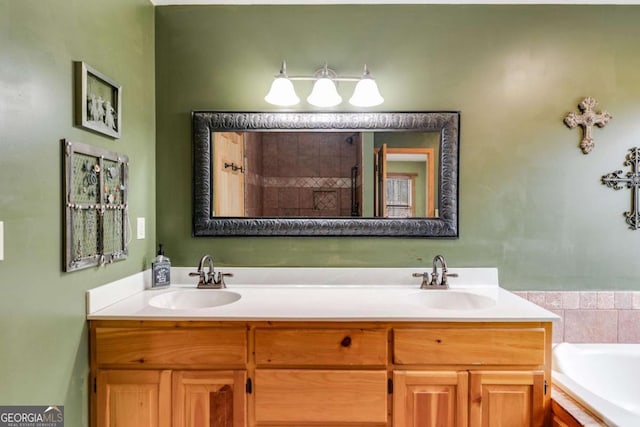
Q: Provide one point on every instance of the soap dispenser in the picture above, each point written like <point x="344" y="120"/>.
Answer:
<point x="160" y="270"/>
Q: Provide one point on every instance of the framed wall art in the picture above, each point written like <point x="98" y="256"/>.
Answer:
<point x="98" y="101"/>
<point x="96" y="224"/>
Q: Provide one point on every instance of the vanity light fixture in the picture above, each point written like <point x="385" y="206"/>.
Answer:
<point x="282" y="92"/>
<point x="324" y="92"/>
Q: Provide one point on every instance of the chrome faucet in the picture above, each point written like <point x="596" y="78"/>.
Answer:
<point x="211" y="280"/>
<point x="434" y="283"/>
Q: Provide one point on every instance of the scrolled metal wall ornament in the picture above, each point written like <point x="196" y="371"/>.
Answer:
<point x="630" y="180"/>
<point x="587" y="120"/>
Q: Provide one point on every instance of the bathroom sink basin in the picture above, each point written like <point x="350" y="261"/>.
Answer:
<point x="193" y="299"/>
<point x="453" y="300"/>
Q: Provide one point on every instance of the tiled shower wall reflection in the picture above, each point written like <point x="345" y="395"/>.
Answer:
<point x="300" y="174"/>
<point x="590" y="316"/>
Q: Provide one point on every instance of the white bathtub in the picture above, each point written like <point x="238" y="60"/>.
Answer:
<point x="604" y="378"/>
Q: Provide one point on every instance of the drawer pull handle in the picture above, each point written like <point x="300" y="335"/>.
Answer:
<point x="346" y="341"/>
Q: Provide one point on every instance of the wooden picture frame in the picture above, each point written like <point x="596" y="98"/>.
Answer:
<point x="98" y="104"/>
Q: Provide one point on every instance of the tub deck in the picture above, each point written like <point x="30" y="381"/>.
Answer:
<point x="603" y="379"/>
<point x="566" y="411"/>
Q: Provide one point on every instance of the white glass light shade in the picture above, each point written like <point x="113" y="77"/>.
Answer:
<point x="366" y="93"/>
<point x="282" y="93"/>
<point x="324" y="93"/>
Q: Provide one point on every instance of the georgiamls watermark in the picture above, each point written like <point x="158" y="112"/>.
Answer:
<point x="32" y="416"/>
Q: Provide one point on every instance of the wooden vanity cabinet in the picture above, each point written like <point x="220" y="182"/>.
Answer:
<point x="471" y="376"/>
<point x="159" y="374"/>
<point x="329" y="374"/>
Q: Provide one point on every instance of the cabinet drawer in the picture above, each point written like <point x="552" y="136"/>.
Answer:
<point x="469" y="346"/>
<point x="320" y="396"/>
<point x="170" y="347"/>
<point x="313" y="347"/>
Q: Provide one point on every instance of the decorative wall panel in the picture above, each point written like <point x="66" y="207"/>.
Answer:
<point x="96" y="207"/>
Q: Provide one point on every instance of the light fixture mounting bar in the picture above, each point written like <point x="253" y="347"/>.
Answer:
<point x="340" y="79"/>
<point x="326" y="72"/>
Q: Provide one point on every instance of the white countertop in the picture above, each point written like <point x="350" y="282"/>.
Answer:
<point x="317" y="294"/>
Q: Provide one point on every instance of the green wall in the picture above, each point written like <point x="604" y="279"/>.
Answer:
<point x="531" y="203"/>
<point x="43" y="333"/>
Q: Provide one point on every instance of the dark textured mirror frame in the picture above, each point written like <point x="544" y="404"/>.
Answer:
<point x="447" y="123"/>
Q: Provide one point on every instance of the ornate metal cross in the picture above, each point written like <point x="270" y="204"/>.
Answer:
<point x="587" y="119"/>
<point x="632" y="181"/>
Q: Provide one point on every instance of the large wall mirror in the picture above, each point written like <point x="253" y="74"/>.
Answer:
<point x="325" y="174"/>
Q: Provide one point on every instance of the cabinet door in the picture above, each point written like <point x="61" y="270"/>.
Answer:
<point x="430" y="398"/>
<point x="209" y="398"/>
<point x="506" y="399"/>
<point x="303" y="397"/>
<point x="133" y="398"/>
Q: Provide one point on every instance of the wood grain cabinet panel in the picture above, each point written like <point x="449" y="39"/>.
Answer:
<point x="430" y="399"/>
<point x="170" y="347"/>
<point x="560" y="417"/>
<point x="557" y="421"/>
<point x="506" y="399"/>
<point x="469" y="346"/>
<point x="320" y="374"/>
<point x="320" y="396"/>
<point x="133" y="398"/>
<point x="209" y="398"/>
<point x="327" y="347"/>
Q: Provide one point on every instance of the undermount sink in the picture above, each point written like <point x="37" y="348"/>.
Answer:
<point x="193" y="299"/>
<point x="453" y="300"/>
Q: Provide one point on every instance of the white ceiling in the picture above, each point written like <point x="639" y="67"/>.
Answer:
<point x="319" y="2"/>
